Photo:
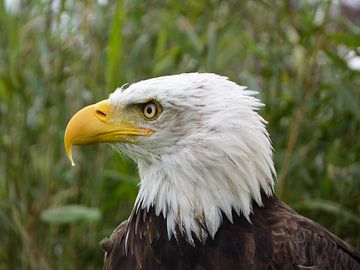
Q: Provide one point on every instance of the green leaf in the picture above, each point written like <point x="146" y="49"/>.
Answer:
<point x="336" y="59"/>
<point x="70" y="214"/>
<point x="328" y="207"/>
<point x="350" y="40"/>
<point x="114" y="48"/>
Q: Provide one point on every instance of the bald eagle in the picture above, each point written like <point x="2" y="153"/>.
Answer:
<point x="206" y="198"/>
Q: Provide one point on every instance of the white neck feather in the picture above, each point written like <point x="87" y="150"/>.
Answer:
<point x="193" y="187"/>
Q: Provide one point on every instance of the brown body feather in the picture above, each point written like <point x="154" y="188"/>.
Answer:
<point x="277" y="238"/>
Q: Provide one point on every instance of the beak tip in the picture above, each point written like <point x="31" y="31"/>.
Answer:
<point x="71" y="159"/>
<point x="69" y="154"/>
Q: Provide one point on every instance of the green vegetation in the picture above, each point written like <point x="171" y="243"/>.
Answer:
<point x="58" y="56"/>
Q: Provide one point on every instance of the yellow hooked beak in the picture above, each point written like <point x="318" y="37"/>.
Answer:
<point x="100" y="123"/>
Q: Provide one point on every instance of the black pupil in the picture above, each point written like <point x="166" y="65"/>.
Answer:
<point x="149" y="109"/>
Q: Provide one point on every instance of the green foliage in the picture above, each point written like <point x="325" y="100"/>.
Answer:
<point x="58" y="56"/>
<point x="70" y="214"/>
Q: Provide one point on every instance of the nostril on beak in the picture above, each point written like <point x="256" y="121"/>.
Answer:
<point x="102" y="110"/>
<point x="101" y="115"/>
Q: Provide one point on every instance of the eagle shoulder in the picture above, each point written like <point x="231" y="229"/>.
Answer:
<point x="112" y="245"/>
<point x="305" y="244"/>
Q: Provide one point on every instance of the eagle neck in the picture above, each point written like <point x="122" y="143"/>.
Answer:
<point x="193" y="198"/>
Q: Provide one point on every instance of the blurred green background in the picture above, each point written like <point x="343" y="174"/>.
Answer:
<point x="58" y="56"/>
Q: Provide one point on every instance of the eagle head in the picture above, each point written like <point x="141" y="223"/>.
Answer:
<point x="201" y="147"/>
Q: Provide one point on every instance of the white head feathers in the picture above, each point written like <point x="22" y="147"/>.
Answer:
<point x="210" y="153"/>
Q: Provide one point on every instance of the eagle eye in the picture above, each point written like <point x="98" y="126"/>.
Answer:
<point x="150" y="110"/>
